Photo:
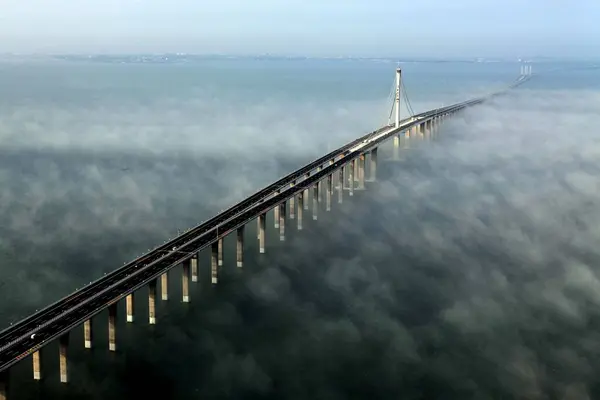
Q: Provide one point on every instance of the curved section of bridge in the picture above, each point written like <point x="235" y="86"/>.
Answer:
<point x="55" y="321"/>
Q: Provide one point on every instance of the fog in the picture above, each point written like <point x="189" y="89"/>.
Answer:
<point x="467" y="271"/>
<point x="94" y="174"/>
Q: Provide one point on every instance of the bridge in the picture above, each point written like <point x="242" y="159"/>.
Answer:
<point x="342" y="170"/>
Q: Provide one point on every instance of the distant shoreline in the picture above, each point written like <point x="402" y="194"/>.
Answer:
<point x="178" y="58"/>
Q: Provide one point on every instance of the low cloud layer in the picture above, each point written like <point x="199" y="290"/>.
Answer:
<point x="468" y="272"/>
<point x="96" y="168"/>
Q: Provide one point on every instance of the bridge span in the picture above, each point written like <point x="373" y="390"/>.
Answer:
<point x="288" y="198"/>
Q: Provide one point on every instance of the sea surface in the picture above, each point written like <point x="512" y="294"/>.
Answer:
<point x="468" y="270"/>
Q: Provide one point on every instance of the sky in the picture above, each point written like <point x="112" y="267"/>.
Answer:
<point x="371" y="28"/>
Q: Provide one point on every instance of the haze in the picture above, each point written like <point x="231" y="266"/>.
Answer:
<point x="474" y="28"/>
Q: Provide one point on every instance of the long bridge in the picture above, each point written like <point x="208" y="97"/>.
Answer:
<point x="344" y="166"/>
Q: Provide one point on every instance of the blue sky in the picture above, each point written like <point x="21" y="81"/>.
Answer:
<point x="308" y="27"/>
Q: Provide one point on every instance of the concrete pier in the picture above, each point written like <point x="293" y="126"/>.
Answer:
<point x="4" y="385"/>
<point x="351" y="177"/>
<point x="373" y="167"/>
<point x="36" y="359"/>
<point x="262" y="221"/>
<point x="87" y="334"/>
<point x="239" y="247"/>
<point x="282" y="216"/>
<point x="185" y="281"/>
<point x="315" y="201"/>
<point x="152" y="302"/>
<point x="220" y="248"/>
<point x="112" y="327"/>
<point x="214" y="263"/>
<point x="292" y="201"/>
<point x="340" y="186"/>
<point x="396" y="152"/>
<point x="63" y="348"/>
<point x="129" y="307"/>
<point x="329" y="192"/>
<point x="306" y="194"/>
<point x="301" y="202"/>
<point x="319" y="184"/>
<point x="164" y="286"/>
<point x="276" y="214"/>
<point x="194" y="262"/>
<point x="361" y="171"/>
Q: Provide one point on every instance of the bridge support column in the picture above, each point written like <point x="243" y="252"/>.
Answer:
<point x="315" y="201"/>
<point x="36" y="358"/>
<point x="214" y="263"/>
<point x="373" y="167"/>
<point x="152" y="302"/>
<point x="194" y="262"/>
<point x="239" y="247"/>
<point x="340" y="186"/>
<point x="87" y="334"/>
<point x="351" y="177"/>
<point x="112" y="327"/>
<point x="4" y="385"/>
<point x="129" y="307"/>
<point x="428" y="129"/>
<point x="185" y="281"/>
<point x="397" y="99"/>
<point x="281" y="221"/>
<point x="164" y="286"/>
<point x="355" y="171"/>
<point x="306" y="194"/>
<point x="319" y="184"/>
<point x="361" y="171"/>
<point x="396" y="151"/>
<point x="292" y="203"/>
<point x="63" y="347"/>
<point x="329" y="192"/>
<point x="276" y="213"/>
<point x="220" y="248"/>
<point x="262" y="221"/>
<point x="301" y="198"/>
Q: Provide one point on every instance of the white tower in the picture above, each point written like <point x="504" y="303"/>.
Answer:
<point x="398" y="82"/>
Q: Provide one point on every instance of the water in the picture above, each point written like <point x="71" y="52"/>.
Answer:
<point x="101" y="161"/>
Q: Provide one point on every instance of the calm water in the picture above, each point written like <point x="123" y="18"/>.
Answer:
<point x="98" y="162"/>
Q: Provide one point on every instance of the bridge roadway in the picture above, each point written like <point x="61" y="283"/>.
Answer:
<point x="72" y="310"/>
